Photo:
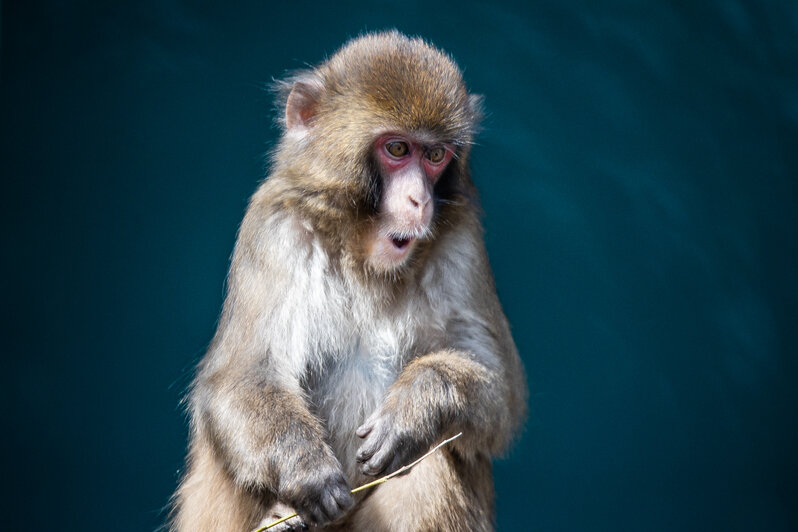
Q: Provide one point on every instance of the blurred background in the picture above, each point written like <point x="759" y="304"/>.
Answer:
<point x="639" y="178"/>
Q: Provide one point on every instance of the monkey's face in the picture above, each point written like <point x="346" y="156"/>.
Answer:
<point x="376" y="149"/>
<point x="409" y="167"/>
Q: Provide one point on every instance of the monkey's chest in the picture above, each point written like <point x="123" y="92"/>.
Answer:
<point x="352" y="384"/>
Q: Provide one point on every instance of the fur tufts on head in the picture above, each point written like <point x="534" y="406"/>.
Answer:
<point x="376" y="83"/>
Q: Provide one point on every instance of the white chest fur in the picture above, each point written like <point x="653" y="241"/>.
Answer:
<point x="351" y="383"/>
<point x="344" y="341"/>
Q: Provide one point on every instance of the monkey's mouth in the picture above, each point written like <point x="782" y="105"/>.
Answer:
<point x="400" y="242"/>
<point x="391" y="249"/>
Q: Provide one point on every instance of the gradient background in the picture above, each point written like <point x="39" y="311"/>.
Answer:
<point x="639" y="176"/>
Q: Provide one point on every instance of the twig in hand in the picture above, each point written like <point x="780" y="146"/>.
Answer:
<point x="373" y="483"/>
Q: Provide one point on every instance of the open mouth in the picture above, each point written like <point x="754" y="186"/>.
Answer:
<point x="400" y="242"/>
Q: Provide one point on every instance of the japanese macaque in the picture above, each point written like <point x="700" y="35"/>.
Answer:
<point x="361" y="324"/>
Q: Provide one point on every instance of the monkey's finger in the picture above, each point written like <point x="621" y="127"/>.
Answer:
<point x="285" y="526"/>
<point x="362" y="457"/>
<point x="372" y="468"/>
<point x="343" y="497"/>
<point x="379" y="461"/>
<point x="368" y="449"/>
<point x="315" y="516"/>
<point x="292" y="525"/>
<point x="296" y="523"/>
<point x="330" y="506"/>
<point x="371" y="444"/>
<point x="364" y="430"/>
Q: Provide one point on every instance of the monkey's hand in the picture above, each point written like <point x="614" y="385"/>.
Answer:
<point x="318" y="491"/>
<point x="277" y="512"/>
<point x="387" y="444"/>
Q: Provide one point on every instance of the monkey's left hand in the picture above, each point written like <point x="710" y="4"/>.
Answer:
<point x="387" y="445"/>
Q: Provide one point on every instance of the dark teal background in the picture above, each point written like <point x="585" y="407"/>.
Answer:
<point x="639" y="176"/>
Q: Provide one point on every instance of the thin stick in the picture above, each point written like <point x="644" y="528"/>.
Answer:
<point x="375" y="482"/>
<point x="405" y="468"/>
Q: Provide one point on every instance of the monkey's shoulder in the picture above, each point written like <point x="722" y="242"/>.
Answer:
<point x="305" y="300"/>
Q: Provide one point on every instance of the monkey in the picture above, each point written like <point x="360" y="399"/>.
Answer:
<point x="361" y="323"/>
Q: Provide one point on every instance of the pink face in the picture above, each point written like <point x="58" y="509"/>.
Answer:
<point x="409" y="170"/>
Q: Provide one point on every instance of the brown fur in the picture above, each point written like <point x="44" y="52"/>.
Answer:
<point x="380" y="81"/>
<point x="443" y="493"/>
<point x="301" y="299"/>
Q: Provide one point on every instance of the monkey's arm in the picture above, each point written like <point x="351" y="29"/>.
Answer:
<point x="247" y="401"/>
<point x="476" y="386"/>
<point x="438" y="394"/>
<point x="270" y="442"/>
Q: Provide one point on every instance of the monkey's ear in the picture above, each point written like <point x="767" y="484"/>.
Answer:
<point x="302" y="103"/>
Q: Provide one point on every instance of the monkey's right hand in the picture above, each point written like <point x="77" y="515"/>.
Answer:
<point x="279" y="511"/>
<point x="319" y="493"/>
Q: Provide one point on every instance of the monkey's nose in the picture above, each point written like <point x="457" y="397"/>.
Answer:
<point x="416" y="203"/>
<point x="417" y="209"/>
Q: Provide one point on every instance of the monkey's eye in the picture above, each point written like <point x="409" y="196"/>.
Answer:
<point x="397" y="148"/>
<point x="436" y="154"/>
